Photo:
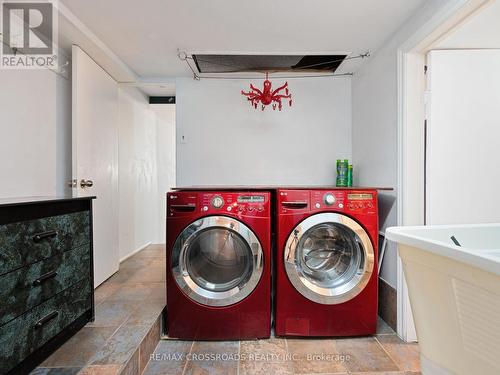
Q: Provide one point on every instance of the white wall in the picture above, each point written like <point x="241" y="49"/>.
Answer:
<point x="481" y="30"/>
<point x="229" y="142"/>
<point x="375" y="122"/>
<point x="35" y="133"/>
<point x="165" y="150"/>
<point x="463" y="133"/>
<point x="138" y="173"/>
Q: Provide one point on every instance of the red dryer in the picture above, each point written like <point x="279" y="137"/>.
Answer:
<point x="218" y="265"/>
<point x="326" y="282"/>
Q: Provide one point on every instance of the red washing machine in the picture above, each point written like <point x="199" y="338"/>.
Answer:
<point x="326" y="281"/>
<point x="218" y="265"/>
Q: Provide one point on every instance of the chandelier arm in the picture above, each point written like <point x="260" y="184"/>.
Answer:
<point x="279" y="97"/>
<point x="252" y="87"/>
<point x="250" y="94"/>
<point x="280" y="88"/>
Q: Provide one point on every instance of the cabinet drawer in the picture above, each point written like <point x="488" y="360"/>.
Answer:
<point x="27" y="242"/>
<point x="22" y="336"/>
<point x="27" y="287"/>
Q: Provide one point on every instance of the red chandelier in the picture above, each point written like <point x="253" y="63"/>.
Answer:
<point x="268" y="96"/>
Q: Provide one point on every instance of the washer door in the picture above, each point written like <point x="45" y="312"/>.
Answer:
<point x="217" y="261"/>
<point x="329" y="258"/>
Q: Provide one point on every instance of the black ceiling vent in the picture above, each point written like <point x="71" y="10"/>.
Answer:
<point x="162" y="100"/>
<point x="267" y="63"/>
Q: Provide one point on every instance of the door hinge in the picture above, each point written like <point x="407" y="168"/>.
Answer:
<point x="425" y="69"/>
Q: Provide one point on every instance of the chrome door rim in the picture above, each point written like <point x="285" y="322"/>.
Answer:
<point x="313" y="292"/>
<point x="195" y="291"/>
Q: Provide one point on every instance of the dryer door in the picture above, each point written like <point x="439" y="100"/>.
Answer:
<point x="329" y="258"/>
<point x="217" y="261"/>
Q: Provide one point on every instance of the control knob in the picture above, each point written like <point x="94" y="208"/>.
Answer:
<point x="329" y="199"/>
<point x="217" y="202"/>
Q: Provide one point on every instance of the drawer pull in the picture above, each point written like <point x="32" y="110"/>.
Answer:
<point x="183" y="207"/>
<point x="46" y="319"/>
<point x="41" y="236"/>
<point x="294" y="204"/>
<point x="45" y="277"/>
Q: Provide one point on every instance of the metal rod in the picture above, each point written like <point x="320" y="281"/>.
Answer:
<point x="278" y="77"/>
<point x="381" y="255"/>
<point x="362" y="56"/>
<point x="183" y="56"/>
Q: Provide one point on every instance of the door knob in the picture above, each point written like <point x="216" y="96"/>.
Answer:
<point x="86" y="184"/>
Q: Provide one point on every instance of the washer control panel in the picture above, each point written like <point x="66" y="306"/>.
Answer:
<point x="183" y="203"/>
<point x="248" y="204"/>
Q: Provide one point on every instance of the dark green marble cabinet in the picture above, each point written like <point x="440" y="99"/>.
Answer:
<point x="46" y="277"/>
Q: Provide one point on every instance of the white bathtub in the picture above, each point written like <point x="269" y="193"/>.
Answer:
<point x="455" y="295"/>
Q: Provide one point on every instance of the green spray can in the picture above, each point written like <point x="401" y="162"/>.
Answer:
<point x="349" y="175"/>
<point x="342" y="168"/>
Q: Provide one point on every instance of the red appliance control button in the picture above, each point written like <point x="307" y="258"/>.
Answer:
<point x="250" y="209"/>
<point x="261" y="208"/>
<point x="241" y="208"/>
<point x="370" y="205"/>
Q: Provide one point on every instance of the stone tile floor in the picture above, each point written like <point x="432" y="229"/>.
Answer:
<point x="126" y="329"/>
<point x="383" y="354"/>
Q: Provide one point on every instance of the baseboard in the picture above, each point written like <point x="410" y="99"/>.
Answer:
<point x="388" y="303"/>
<point x="135" y="252"/>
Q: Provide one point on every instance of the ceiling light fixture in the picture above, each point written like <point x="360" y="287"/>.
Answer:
<point x="268" y="96"/>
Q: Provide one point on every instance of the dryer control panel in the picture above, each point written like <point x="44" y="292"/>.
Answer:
<point x="254" y="204"/>
<point x="334" y="200"/>
<point x="361" y="201"/>
<point x="348" y="201"/>
<point x="327" y="199"/>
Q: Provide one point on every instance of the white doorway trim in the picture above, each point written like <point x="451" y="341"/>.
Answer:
<point x="411" y="57"/>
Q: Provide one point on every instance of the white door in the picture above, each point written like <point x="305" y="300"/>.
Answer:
<point x="95" y="156"/>
<point x="463" y="135"/>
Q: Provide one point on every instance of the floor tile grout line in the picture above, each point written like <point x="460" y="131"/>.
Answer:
<point x="239" y="359"/>
<point x="190" y="352"/>
<point x="388" y="354"/>
<point x="287" y="348"/>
